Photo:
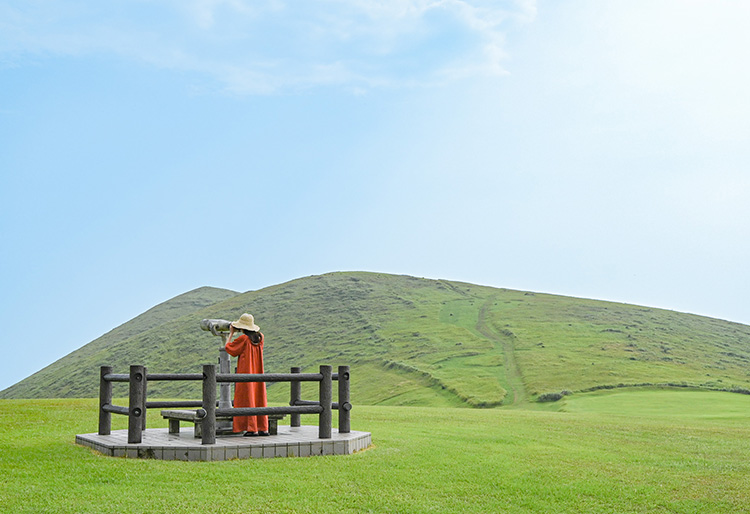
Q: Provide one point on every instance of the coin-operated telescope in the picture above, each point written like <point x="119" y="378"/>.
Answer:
<point x="220" y="327"/>
<point x="215" y="325"/>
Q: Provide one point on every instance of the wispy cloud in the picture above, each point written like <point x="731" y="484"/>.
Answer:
<point x="273" y="45"/>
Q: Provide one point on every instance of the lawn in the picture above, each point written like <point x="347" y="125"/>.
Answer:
<point x="619" y="452"/>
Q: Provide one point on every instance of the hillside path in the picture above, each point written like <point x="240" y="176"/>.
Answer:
<point x="513" y="377"/>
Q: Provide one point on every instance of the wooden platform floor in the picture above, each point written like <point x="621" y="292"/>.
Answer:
<point x="158" y="443"/>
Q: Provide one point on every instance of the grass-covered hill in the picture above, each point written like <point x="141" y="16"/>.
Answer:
<point x="413" y="341"/>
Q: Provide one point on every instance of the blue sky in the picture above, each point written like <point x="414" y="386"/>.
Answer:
<point x="583" y="148"/>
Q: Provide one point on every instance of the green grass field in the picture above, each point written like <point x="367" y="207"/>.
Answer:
<point x="625" y="451"/>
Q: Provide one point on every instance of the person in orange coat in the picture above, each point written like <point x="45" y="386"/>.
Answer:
<point x="249" y="349"/>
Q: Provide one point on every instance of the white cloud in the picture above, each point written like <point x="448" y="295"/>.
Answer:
<point x="273" y="45"/>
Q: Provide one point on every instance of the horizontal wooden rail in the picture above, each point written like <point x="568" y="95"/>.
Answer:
<point x="269" y="377"/>
<point x="116" y="377"/>
<point x="334" y="405"/>
<point x="305" y="402"/>
<point x="264" y="411"/>
<point x="116" y="409"/>
<point x="174" y="376"/>
<point x="225" y="377"/>
<point x="178" y="404"/>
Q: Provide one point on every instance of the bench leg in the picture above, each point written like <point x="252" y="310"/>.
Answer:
<point x="273" y="427"/>
<point x="198" y="429"/>
<point x="174" y="426"/>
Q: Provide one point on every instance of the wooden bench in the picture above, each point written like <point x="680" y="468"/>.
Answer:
<point x="191" y="416"/>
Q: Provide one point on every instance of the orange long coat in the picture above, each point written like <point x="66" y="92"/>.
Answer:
<point x="248" y="394"/>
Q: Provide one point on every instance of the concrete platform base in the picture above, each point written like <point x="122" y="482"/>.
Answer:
<point x="158" y="443"/>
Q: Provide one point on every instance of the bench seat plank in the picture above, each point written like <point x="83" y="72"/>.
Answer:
<point x="191" y="416"/>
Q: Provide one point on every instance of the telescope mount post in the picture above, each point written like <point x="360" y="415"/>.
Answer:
<point x="224" y="426"/>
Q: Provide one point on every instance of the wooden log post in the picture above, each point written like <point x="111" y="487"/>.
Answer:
<point x="344" y="406"/>
<point x="294" y="397"/>
<point x="135" y="406"/>
<point x="326" y="400"/>
<point x="105" y="398"/>
<point x="208" y="424"/>
<point x="145" y="398"/>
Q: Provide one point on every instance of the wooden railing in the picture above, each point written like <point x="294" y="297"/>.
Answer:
<point x="207" y="410"/>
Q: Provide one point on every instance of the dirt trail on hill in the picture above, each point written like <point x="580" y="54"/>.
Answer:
<point x="506" y="344"/>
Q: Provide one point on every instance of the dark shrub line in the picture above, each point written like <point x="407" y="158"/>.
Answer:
<point x="553" y="397"/>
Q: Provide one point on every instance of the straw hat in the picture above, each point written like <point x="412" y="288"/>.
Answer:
<point x="247" y="322"/>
